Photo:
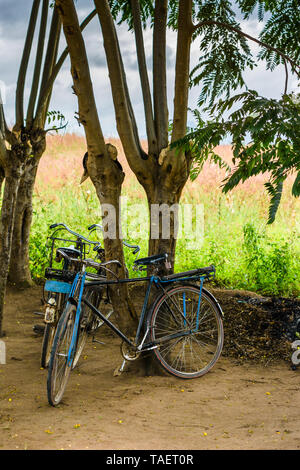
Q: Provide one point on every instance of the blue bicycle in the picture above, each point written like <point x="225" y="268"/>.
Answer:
<point x="183" y="327"/>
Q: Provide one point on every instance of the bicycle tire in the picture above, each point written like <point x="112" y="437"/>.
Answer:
<point x="59" y="369"/>
<point x="47" y="344"/>
<point x="190" y="354"/>
<point x="50" y="329"/>
<point x="86" y="318"/>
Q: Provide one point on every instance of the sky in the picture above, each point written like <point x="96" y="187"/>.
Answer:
<point x="14" y="15"/>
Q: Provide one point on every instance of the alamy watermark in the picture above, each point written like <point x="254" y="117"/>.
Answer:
<point x="163" y="221"/>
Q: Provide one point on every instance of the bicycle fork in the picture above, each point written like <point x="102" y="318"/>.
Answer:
<point x="77" y="317"/>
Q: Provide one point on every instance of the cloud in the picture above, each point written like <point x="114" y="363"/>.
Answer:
<point x="14" y="16"/>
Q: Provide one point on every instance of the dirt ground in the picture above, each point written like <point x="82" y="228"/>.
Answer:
<point x="238" y="405"/>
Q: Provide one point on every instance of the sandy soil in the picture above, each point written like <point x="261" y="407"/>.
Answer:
<point x="235" y="406"/>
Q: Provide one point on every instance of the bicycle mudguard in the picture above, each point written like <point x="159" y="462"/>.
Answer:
<point x="57" y="286"/>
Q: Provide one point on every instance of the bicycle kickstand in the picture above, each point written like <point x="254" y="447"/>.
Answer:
<point x="97" y="341"/>
<point x="119" y="370"/>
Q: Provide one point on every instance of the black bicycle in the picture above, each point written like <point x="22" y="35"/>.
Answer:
<point x="183" y="327"/>
<point x="60" y="274"/>
<point x="64" y="255"/>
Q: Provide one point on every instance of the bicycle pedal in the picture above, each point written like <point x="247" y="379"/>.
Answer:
<point x="38" y="313"/>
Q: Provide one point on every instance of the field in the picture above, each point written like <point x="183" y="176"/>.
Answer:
<point x="247" y="253"/>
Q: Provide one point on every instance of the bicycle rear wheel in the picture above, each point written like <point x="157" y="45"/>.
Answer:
<point x="189" y="336"/>
<point x="59" y="368"/>
<point x="84" y="328"/>
<point x="89" y="322"/>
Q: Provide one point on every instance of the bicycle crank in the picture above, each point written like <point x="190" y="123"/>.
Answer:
<point x="128" y="352"/>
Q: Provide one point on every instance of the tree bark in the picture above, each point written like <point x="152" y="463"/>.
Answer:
<point x="2" y="177"/>
<point x="173" y="167"/>
<point x="161" y="114"/>
<point x="141" y="56"/>
<point x="19" y="271"/>
<point x="13" y="173"/>
<point x="106" y="173"/>
<point x="164" y="174"/>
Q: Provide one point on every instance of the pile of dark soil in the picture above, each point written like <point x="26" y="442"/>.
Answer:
<point x="258" y="328"/>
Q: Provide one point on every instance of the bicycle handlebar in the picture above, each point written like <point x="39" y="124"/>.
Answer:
<point x="95" y="226"/>
<point x="137" y="247"/>
<point x="74" y="233"/>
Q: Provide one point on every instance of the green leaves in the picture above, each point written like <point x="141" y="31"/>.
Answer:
<point x="121" y="11"/>
<point x="275" y="192"/>
<point x="224" y="54"/>
<point x="281" y="31"/>
<point x="296" y="186"/>
<point x="58" y="117"/>
<point x="265" y="135"/>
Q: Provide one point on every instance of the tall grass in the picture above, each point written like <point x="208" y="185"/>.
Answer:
<point x="247" y="253"/>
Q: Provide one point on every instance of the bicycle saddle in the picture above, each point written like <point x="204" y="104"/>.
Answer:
<point x="151" y="259"/>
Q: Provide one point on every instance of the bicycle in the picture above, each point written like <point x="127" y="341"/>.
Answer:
<point x="183" y="327"/>
<point x="58" y="280"/>
<point x="59" y="285"/>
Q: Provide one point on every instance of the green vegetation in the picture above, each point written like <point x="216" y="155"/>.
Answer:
<point x="247" y="252"/>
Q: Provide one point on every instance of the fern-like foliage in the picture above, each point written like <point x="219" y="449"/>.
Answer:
<point x="121" y="11"/>
<point x="282" y="31"/>
<point x="265" y="135"/>
<point x="224" y="54"/>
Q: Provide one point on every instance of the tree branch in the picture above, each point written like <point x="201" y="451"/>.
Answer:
<point x="49" y="63"/>
<point x="184" y="38"/>
<point x="161" y="114"/>
<point x="24" y="65"/>
<point x="38" y="64"/>
<point x="151" y="134"/>
<point x="3" y="153"/>
<point x="44" y="96"/>
<point x="126" y="124"/>
<point x="83" y="86"/>
<point x="55" y="52"/>
<point x="286" y="59"/>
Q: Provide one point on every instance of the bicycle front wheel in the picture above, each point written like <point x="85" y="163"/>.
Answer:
<point x="59" y="366"/>
<point x="47" y="343"/>
<point x="50" y="329"/>
<point x="189" y="334"/>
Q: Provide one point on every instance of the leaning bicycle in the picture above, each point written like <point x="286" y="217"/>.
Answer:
<point x="65" y="251"/>
<point x="183" y="327"/>
<point x="60" y="274"/>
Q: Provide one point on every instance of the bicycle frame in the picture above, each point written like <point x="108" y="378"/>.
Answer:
<point x="158" y="282"/>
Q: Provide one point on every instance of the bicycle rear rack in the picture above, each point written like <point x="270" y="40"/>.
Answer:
<point x="60" y="274"/>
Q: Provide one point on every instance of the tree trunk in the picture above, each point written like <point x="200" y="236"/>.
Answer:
<point x="163" y="201"/>
<point x="104" y="170"/>
<point x="19" y="272"/>
<point x="2" y="177"/>
<point x="163" y="209"/>
<point x="172" y="169"/>
<point x="164" y="173"/>
<point x="13" y="174"/>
